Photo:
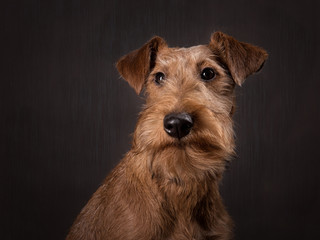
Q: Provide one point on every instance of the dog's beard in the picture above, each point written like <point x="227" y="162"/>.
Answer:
<point x="188" y="158"/>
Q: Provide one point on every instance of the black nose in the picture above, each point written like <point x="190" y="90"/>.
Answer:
<point x="178" y="125"/>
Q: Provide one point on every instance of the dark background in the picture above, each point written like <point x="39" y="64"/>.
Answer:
<point x="66" y="117"/>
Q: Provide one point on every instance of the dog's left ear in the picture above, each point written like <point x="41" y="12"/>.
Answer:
<point x="242" y="59"/>
<point x="136" y="66"/>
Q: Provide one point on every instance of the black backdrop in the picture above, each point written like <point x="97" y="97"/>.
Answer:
<point x="66" y="117"/>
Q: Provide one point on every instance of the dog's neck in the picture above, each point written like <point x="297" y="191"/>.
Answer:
<point x="185" y="181"/>
<point x="180" y="170"/>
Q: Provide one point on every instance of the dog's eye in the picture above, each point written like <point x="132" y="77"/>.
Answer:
<point x="159" y="77"/>
<point x="207" y="74"/>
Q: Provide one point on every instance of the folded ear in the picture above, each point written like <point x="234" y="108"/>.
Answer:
<point x="242" y="59"/>
<point x="135" y="66"/>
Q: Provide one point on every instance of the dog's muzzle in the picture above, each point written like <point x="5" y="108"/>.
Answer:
<point x="178" y="125"/>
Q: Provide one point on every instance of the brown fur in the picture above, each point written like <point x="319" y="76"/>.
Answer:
<point x="167" y="188"/>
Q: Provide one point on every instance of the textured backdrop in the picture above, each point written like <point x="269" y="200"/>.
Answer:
<point x="66" y="116"/>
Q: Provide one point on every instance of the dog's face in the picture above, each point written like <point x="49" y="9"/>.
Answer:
<point x="187" y="81"/>
<point x="189" y="95"/>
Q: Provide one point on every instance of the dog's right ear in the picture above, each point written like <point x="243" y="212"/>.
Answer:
<point x="136" y="66"/>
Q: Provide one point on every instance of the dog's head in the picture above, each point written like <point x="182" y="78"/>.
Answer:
<point x="190" y="93"/>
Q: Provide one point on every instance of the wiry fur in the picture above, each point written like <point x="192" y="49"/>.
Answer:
<point x="167" y="188"/>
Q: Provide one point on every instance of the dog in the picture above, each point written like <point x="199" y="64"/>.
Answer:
<point x="167" y="186"/>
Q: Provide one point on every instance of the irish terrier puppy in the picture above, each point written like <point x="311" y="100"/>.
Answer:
<point x="167" y="185"/>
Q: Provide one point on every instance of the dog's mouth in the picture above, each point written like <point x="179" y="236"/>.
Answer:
<point x="196" y="142"/>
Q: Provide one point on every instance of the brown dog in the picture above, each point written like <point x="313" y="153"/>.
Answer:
<point x="166" y="187"/>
